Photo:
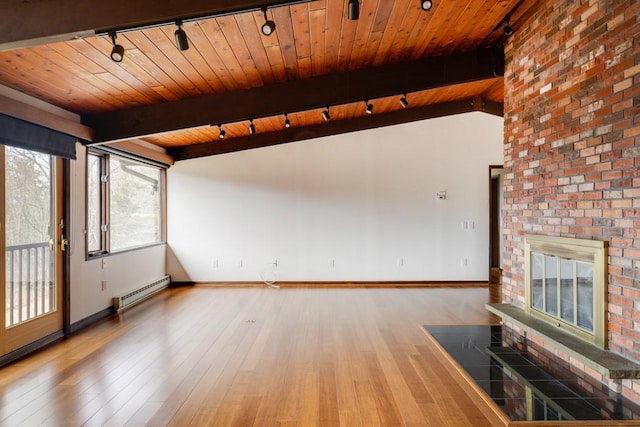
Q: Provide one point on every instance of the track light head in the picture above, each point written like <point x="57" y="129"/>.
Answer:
<point x="508" y="30"/>
<point x="252" y="127"/>
<point x="369" y="109"/>
<point x="117" y="52"/>
<point x="287" y="122"/>
<point x="404" y="102"/>
<point x="269" y="26"/>
<point x="426" y="4"/>
<point x="353" y="10"/>
<point x="222" y="133"/>
<point x="182" y="42"/>
<point x="325" y="115"/>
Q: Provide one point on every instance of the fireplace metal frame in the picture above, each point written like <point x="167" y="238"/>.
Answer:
<point x="593" y="251"/>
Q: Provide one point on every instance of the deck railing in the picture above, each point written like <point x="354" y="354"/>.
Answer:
<point x="30" y="288"/>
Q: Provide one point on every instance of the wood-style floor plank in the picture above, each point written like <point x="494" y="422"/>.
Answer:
<point x="250" y="356"/>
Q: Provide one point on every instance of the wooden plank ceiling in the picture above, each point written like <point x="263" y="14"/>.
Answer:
<point x="446" y="60"/>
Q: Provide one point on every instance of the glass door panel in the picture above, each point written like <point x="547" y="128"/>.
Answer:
<point x="32" y="233"/>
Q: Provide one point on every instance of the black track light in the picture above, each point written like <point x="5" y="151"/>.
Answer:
<point x="508" y="30"/>
<point x="404" y="102"/>
<point x="369" y="109"/>
<point x="353" y="10"/>
<point x="117" y="52"/>
<point x="222" y="133"/>
<point x="269" y="26"/>
<point x="252" y="127"/>
<point x="287" y="122"/>
<point x="325" y="115"/>
<point x="426" y="4"/>
<point x="182" y="42"/>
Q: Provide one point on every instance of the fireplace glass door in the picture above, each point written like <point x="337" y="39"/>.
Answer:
<point x="566" y="284"/>
<point x="563" y="288"/>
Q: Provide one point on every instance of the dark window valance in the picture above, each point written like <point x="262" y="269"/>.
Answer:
<point x="18" y="133"/>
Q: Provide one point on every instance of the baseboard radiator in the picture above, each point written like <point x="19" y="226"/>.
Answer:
<point x="134" y="297"/>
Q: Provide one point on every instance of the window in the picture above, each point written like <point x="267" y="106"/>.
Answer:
<point x="566" y="284"/>
<point x="124" y="203"/>
<point x="96" y="215"/>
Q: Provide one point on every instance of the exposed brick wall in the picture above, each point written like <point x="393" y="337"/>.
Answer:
<point x="572" y="146"/>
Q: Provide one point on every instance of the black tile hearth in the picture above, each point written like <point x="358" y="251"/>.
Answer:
<point x="522" y="386"/>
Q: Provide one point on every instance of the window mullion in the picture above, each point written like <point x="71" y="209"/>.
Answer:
<point x="544" y="284"/>
<point x="558" y="289"/>
<point x="575" y="293"/>
<point x="105" y="202"/>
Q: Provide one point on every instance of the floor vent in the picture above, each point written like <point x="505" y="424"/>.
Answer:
<point x="131" y="298"/>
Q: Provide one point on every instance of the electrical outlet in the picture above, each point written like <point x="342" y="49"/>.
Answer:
<point x="332" y="262"/>
<point x="400" y="262"/>
<point x="463" y="262"/>
<point x="215" y="263"/>
<point x="240" y="264"/>
<point x="274" y="262"/>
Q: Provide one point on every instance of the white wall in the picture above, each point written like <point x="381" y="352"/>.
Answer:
<point x="122" y="272"/>
<point x="365" y="200"/>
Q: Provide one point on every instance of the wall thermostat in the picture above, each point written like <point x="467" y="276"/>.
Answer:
<point x="441" y="195"/>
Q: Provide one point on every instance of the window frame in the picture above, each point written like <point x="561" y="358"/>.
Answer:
<point x="104" y="203"/>
<point x="105" y="225"/>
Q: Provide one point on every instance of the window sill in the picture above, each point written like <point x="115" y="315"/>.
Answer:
<point x="99" y="255"/>
<point x="610" y="365"/>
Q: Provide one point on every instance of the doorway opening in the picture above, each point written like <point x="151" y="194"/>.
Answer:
<point x="495" y="224"/>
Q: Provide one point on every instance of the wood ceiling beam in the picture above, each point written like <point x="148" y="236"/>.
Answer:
<point x="31" y="23"/>
<point x="28" y="113"/>
<point x="329" y="128"/>
<point x="488" y="106"/>
<point x="299" y="95"/>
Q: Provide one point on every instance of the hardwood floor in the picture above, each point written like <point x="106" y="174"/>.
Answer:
<point x="249" y="356"/>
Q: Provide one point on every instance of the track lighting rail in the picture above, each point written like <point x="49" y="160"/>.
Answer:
<point x="304" y="95"/>
<point x="185" y="19"/>
<point x="335" y="127"/>
<point x="88" y="18"/>
<point x="182" y="41"/>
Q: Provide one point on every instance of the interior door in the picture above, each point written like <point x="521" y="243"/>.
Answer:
<point x="32" y="237"/>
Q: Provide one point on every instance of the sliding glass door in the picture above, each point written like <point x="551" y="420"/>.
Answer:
<point x="32" y="236"/>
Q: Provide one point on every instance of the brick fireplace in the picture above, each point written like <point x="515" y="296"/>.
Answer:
<point x="572" y="150"/>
